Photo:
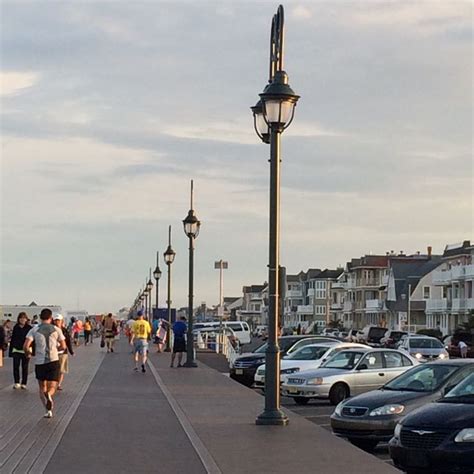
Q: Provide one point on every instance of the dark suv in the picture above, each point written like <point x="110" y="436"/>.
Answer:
<point x="244" y="367"/>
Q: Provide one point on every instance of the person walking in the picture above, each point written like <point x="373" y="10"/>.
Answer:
<point x="462" y="349"/>
<point x="48" y="339"/>
<point x="3" y="344"/>
<point x="20" y="330"/>
<point x="87" y="332"/>
<point x="179" y="344"/>
<point x="109" y="328"/>
<point x="58" y="321"/>
<point x="141" y="333"/>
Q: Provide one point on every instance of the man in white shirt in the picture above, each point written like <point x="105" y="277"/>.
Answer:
<point x="48" y="339"/>
<point x="463" y="349"/>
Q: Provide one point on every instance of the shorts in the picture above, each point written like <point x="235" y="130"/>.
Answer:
<point x="48" y="372"/>
<point x="64" y="363"/>
<point x="140" y="346"/>
<point x="179" y="344"/>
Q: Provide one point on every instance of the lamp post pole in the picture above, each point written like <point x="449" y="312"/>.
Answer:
<point x="221" y="266"/>
<point x="273" y="113"/>
<point x="157" y="276"/>
<point x="149" y="287"/>
<point x="191" y="229"/>
<point x="169" y="259"/>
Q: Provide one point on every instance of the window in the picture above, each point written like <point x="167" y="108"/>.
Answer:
<point x="406" y="361"/>
<point x="445" y="292"/>
<point x="393" y="359"/>
<point x="320" y="309"/>
<point x="426" y="292"/>
<point x="372" y="361"/>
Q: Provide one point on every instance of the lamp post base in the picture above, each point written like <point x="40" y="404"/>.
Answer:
<point x="190" y="364"/>
<point x="272" y="417"/>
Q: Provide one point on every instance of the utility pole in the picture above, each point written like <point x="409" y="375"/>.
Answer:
<point x="221" y="265"/>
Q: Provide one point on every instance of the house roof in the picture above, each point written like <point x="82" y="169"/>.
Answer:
<point x="454" y="250"/>
<point x="292" y="278"/>
<point x="253" y="288"/>
<point x="331" y="273"/>
<point x="407" y="273"/>
<point x="368" y="261"/>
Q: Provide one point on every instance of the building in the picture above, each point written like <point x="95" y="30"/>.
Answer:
<point x="452" y="300"/>
<point x="12" y="311"/>
<point x="253" y="305"/>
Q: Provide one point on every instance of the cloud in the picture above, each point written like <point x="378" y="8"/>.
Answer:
<point x="15" y="82"/>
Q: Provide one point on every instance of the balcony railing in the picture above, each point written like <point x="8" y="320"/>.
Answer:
<point x="374" y="305"/>
<point x="336" y="306"/>
<point x="294" y="294"/>
<point x="339" y="285"/>
<point x="458" y="272"/>
<point x="437" y="305"/>
<point x="305" y="309"/>
<point x="368" y="282"/>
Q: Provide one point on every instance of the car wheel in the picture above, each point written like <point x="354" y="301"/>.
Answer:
<point x="338" y="392"/>
<point x="301" y="400"/>
<point x="365" y="444"/>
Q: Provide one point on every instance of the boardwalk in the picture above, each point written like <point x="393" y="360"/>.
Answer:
<point x="194" y="421"/>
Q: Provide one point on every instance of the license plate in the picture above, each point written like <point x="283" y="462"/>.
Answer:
<point x="293" y="390"/>
<point x="239" y="371"/>
<point x="417" y="459"/>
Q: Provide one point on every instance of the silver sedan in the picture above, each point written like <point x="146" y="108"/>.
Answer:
<point x="348" y="373"/>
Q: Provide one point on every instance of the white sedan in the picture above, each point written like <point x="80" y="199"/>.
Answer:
<point x="306" y="358"/>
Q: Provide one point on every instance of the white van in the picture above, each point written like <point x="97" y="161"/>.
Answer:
<point x="240" y="328"/>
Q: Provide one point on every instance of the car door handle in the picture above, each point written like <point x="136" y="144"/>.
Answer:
<point x="381" y="374"/>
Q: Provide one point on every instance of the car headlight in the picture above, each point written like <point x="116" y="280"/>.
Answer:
<point x="419" y="356"/>
<point x="442" y="356"/>
<point x="388" y="410"/>
<point x="338" y="410"/>
<point x="259" y="361"/>
<point x="261" y="372"/>
<point x="315" y="381"/>
<point x="397" y="431"/>
<point x="465" y="436"/>
<point x="290" y="371"/>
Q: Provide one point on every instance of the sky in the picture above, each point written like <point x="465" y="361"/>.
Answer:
<point x="110" y="108"/>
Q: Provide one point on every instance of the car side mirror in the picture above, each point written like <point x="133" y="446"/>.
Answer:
<point x="362" y="367"/>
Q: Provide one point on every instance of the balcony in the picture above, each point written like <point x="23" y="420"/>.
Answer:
<point x="433" y="305"/>
<point x="305" y="309"/>
<point x="374" y="305"/>
<point x="368" y="282"/>
<point x="339" y="285"/>
<point x="459" y="272"/>
<point x="462" y="304"/>
<point x="336" y="306"/>
<point x="348" y="306"/>
<point x="294" y="294"/>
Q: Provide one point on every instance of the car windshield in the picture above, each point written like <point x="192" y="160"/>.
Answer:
<point x="308" y="353"/>
<point x="424" y="343"/>
<point x="343" y="360"/>
<point x="261" y="349"/>
<point x="423" y="378"/>
<point x="464" y="392"/>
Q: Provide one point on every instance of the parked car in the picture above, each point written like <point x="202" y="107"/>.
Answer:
<point x="371" y="417"/>
<point x="330" y="332"/>
<point x="352" y="336"/>
<point x="451" y="345"/>
<point x="439" y="437"/>
<point x="348" y="373"/>
<point x="371" y="335"/>
<point x="260" y="330"/>
<point x="424" y="348"/>
<point x="244" y="367"/>
<point x="391" y="338"/>
<point x="308" y="357"/>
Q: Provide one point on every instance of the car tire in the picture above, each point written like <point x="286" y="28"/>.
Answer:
<point x="338" y="392"/>
<point x="301" y="400"/>
<point x="365" y="444"/>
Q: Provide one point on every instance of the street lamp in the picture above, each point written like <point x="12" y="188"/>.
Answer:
<point x="149" y="287"/>
<point x="191" y="228"/>
<point x="272" y="115"/>
<point x="157" y="276"/>
<point x="169" y="259"/>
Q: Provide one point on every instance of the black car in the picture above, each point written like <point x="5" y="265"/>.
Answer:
<point x="439" y="437"/>
<point x="244" y="367"/>
<point x="371" y="417"/>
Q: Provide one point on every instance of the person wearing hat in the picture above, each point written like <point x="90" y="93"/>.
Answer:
<point x="141" y="333"/>
<point x="58" y="321"/>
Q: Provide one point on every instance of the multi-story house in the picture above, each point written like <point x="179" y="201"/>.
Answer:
<point x="453" y="300"/>
<point x="253" y="305"/>
<point x="294" y="297"/>
<point x="364" y="301"/>
<point x="338" y="296"/>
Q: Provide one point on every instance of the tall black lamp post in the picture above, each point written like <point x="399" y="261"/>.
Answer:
<point x="191" y="229"/>
<point x="273" y="113"/>
<point x="157" y="276"/>
<point x="149" y="288"/>
<point x="169" y="259"/>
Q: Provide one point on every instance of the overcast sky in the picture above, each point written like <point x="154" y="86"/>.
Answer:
<point x="110" y="108"/>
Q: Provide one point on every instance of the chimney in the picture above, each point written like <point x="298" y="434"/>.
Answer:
<point x="429" y="251"/>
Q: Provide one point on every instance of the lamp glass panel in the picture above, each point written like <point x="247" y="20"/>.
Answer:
<point x="262" y="126"/>
<point x="286" y="111"/>
<point x="157" y="274"/>
<point x="272" y="111"/>
<point x="190" y="228"/>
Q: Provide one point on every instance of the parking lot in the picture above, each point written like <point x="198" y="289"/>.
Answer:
<point x="319" y="411"/>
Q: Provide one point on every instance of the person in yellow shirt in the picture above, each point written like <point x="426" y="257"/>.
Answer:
<point x="141" y="333"/>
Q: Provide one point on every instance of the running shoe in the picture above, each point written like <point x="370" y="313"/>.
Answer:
<point x="49" y="401"/>
<point x="143" y="368"/>
<point x="48" y="414"/>
<point x="23" y="386"/>
<point x="16" y="386"/>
